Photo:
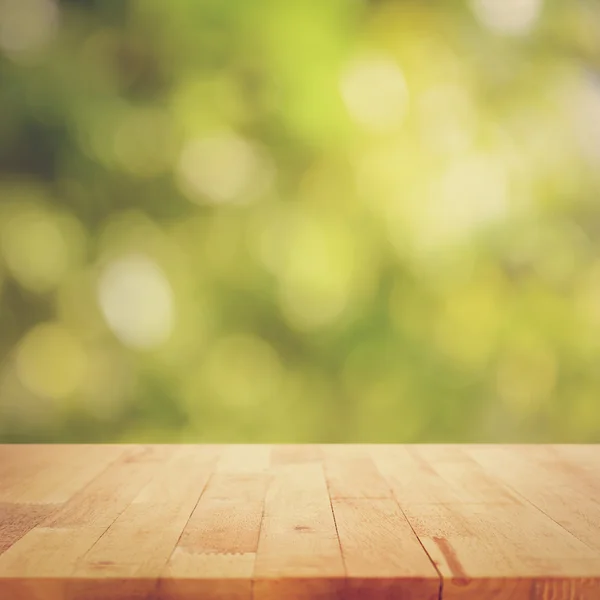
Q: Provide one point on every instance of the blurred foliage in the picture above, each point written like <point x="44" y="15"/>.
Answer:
<point x="298" y="221"/>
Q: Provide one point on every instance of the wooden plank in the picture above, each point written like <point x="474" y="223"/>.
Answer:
<point x="17" y="465"/>
<point x="100" y="502"/>
<point x="582" y="462"/>
<point x="192" y="576"/>
<point x="412" y="480"/>
<point x="382" y="555"/>
<point x="22" y="468"/>
<point x="290" y="454"/>
<point x="581" y="455"/>
<point x="243" y="487"/>
<point x="437" y="453"/>
<point x="484" y="541"/>
<point x="462" y="476"/>
<point x="353" y="475"/>
<point x="180" y="477"/>
<point x="40" y="564"/>
<point x="215" y="555"/>
<point x="67" y="471"/>
<point x="244" y="458"/>
<point x="223" y="527"/>
<point x="298" y="555"/>
<point x="416" y="478"/>
<point x="139" y="543"/>
<point x="572" y="499"/>
<point x="220" y="539"/>
<point x="255" y="522"/>
<point x="504" y="551"/>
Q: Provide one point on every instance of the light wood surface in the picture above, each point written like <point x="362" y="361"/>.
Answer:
<point x="347" y="522"/>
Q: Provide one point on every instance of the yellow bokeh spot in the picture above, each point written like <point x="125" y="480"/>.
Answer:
<point x="471" y="193"/>
<point x="51" y="362"/>
<point x="137" y="301"/>
<point x="508" y="17"/>
<point x="27" y="25"/>
<point x="447" y="118"/>
<point x="320" y="275"/>
<point x="585" y="105"/>
<point x="40" y="247"/>
<point x="375" y="93"/>
<point x="223" y="168"/>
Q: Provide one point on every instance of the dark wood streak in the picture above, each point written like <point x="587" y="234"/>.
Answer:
<point x="460" y="577"/>
<point x="17" y="519"/>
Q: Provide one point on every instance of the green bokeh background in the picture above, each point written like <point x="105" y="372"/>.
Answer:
<point x="299" y="221"/>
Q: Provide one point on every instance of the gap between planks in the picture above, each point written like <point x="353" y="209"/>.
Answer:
<point x="394" y="499"/>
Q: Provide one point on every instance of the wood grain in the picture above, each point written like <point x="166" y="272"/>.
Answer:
<point x="485" y="539"/>
<point x="257" y="522"/>
<point x="382" y="555"/>
<point x="216" y="553"/>
<point x="573" y="499"/>
<point x="299" y="553"/>
<point x="351" y="473"/>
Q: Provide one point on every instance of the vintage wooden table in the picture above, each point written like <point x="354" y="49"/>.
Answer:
<point x="299" y="522"/>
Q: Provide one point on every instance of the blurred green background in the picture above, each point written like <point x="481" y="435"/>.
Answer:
<point x="299" y="221"/>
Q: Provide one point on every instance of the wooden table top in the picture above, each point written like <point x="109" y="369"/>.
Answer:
<point x="131" y="522"/>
